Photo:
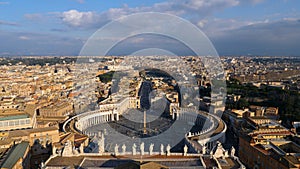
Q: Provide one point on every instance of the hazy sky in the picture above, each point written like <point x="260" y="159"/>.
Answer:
<point x="235" y="27"/>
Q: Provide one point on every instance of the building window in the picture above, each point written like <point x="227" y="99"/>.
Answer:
<point x="22" y="122"/>
<point x="11" y="123"/>
<point x="17" y="122"/>
<point x="5" y="123"/>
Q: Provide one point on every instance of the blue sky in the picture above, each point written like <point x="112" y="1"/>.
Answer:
<point x="236" y="27"/>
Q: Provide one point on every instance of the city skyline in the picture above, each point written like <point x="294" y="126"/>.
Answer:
<point x="150" y="84"/>
<point x="235" y="27"/>
<point x="107" y="112"/>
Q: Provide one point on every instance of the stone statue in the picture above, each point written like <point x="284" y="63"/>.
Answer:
<point x="68" y="149"/>
<point x="124" y="149"/>
<point x="151" y="149"/>
<point x="211" y="153"/>
<point x="232" y="151"/>
<point x="134" y="149"/>
<point x="162" y="151"/>
<point x="81" y="148"/>
<point x="203" y="149"/>
<point x="54" y="151"/>
<point x="142" y="147"/>
<point x="185" y="150"/>
<point x="226" y="153"/>
<point x="43" y="165"/>
<point x="219" y="151"/>
<point x="168" y="150"/>
<point x="101" y="140"/>
<point x="116" y="149"/>
<point x="75" y="151"/>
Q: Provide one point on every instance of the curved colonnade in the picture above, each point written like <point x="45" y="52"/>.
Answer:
<point x="208" y="137"/>
<point x="212" y="127"/>
<point x="106" y="112"/>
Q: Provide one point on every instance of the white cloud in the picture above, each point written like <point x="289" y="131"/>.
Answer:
<point x="264" y="37"/>
<point x="233" y="36"/>
<point x="202" y="23"/>
<point x="209" y="4"/>
<point x="219" y="26"/>
<point x="190" y="8"/>
<point x="24" y="37"/>
<point x="76" y="18"/>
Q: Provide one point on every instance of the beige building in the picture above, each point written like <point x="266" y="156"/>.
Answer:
<point x="43" y="135"/>
<point x="14" y="119"/>
<point x="59" y="109"/>
<point x="274" y="153"/>
<point x="259" y="111"/>
<point x="134" y="102"/>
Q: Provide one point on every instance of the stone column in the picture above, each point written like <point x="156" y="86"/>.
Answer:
<point x="112" y="117"/>
<point x="117" y="116"/>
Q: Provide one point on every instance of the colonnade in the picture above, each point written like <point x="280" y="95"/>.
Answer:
<point x="96" y="118"/>
<point x="194" y="116"/>
<point x="209" y="122"/>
